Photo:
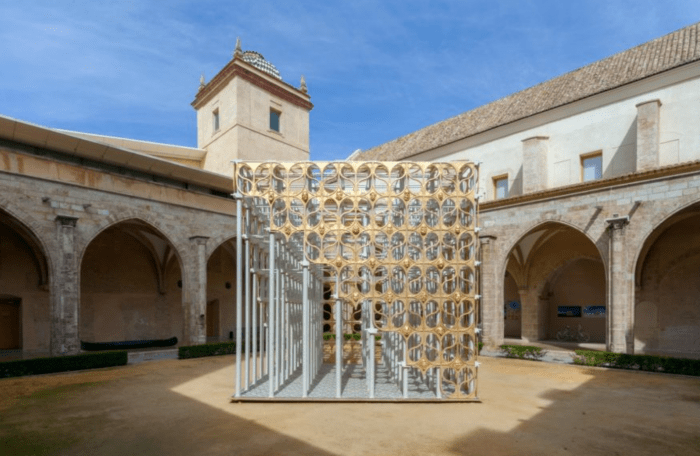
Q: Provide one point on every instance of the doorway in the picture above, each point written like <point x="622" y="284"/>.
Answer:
<point x="213" y="321"/>
<point x="10" y="334"/>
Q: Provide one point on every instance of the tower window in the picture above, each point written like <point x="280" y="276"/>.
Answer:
<point x="500" y="186"/>
<point x="275" y="120"/>
<point x="591" y="166"/>
<point x="215" y="119"/>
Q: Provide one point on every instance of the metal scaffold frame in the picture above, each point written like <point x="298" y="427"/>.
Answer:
<point x="383" y="252"/>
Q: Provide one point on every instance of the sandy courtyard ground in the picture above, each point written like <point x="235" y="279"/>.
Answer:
<point x="182" y="407"/>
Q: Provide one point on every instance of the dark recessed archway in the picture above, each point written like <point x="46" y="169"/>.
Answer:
<point x="560" y="280"/>
<point x="129" y="289"/>
<point x="667" y="298"/>
<point x="25" y="309"/>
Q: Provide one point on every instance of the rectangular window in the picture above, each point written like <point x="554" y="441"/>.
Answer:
<point x="215" y="119"/>
<point x="500" y="186"/>
<point x="275" y="120"/>
<point x="591" y="166"/>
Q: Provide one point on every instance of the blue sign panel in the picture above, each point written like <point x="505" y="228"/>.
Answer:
<point x="568" y="311"/>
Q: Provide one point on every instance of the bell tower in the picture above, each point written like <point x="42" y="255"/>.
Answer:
<point x="247" y="112"/>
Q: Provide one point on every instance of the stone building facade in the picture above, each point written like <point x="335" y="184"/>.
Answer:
<point x="590" y="209"/>
<point x="589" y="187"/>
<point x="113" y="239"/>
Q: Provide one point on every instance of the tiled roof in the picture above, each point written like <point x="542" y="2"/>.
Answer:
<point x="662" y="54"/>
<point x="258" y="61"/>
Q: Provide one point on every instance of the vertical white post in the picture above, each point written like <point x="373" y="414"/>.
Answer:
<point x="438" y="382"/>
<point x="254" y="322"/>
<point x="239" y="291"/>
<point x="248" y="295"/>
<point x="271" y="317"/>
<point x="371" y="332"/>
<point x="279" y="348"/>
<point x="338" y="338"/>
<point x="405" y="367"/>
<point x="305" y="329"/>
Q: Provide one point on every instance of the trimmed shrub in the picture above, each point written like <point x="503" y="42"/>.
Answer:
<point x="649" y="363"/>
<point x="199" y="351"/>
<point x="37" y="366"/>
<point x="480" y="345"/>
<point x="523" y="352"/>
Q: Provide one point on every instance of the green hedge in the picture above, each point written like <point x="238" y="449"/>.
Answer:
<point x="640" y="362"/>
<point x="523" y="352"/>
<point x="331" y="336"/>
<point x="37" y="366"/>
<point x="199" y="351"/>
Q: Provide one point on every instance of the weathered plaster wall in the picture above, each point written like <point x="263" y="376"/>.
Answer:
<point x="605" y="122"/>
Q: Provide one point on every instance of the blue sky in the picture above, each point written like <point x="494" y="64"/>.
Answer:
<point x="375" y="70"/>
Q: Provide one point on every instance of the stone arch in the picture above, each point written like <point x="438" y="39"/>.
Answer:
<point x="218" y="241"/>
<point x="538" y="275"/>
<point x="515" y="240"/>
<point x="130" y="283"/>
<point x="179" y="247"/>
<point x="25" y="301"/>
<point x="666" y="304"/>
<point x="643" y="247"/>
<point x="33" y="228"/>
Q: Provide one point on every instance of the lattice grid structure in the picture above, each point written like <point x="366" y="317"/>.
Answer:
<point x="388" y="250"/>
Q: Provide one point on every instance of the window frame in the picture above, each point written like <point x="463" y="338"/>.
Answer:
<point x="586" y="156"/>
<point x="216" y="120"/>
<point x="495" y="180"/>
<point x="279" y="120"/>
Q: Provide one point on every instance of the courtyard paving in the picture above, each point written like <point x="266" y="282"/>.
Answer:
<point x="183" y="407"/>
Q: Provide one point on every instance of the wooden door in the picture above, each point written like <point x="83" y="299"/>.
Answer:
<point x="213" y="319"/>
<point x="9" y="324"/>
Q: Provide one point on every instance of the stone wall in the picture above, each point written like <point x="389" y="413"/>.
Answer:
<point x="66" y="207"/>
<point x="599" y="215"/>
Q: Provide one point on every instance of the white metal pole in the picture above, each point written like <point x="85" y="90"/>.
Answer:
<point x="248" y="295"/>
<point x="438" y="381"/>
<point x="254" y="322"/>
<point x="239" y="291"/>
<point x="305" y="329"/>
<point x="279" y="348"/>
<point x="271" y="317"/>
<point x="338" y="338"/>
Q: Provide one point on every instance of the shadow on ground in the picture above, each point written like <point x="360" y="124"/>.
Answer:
<point x="134" y="413"/>
<point x="182" y="407"/>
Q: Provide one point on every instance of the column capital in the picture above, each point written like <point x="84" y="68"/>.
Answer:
<point x="617" y="223"/>
<point x="487" y="238"/>
<point x="199" y="240"/>
<point x="656" y="100"/>
<point x="536" y="138"/>
<point x="67" y="220"/>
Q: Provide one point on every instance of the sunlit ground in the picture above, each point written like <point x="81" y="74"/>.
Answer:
<point x="184" y="407"/>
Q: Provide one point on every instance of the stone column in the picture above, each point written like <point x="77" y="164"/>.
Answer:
<point x="535" y="164"/>
<point x="65" y="291"/>
<point x="620" y="302"/>
<point x="195" y="295"/>
<point x="491" y="291"/>
<point x="529" y="314"/>
<point x="648" y="133"/>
